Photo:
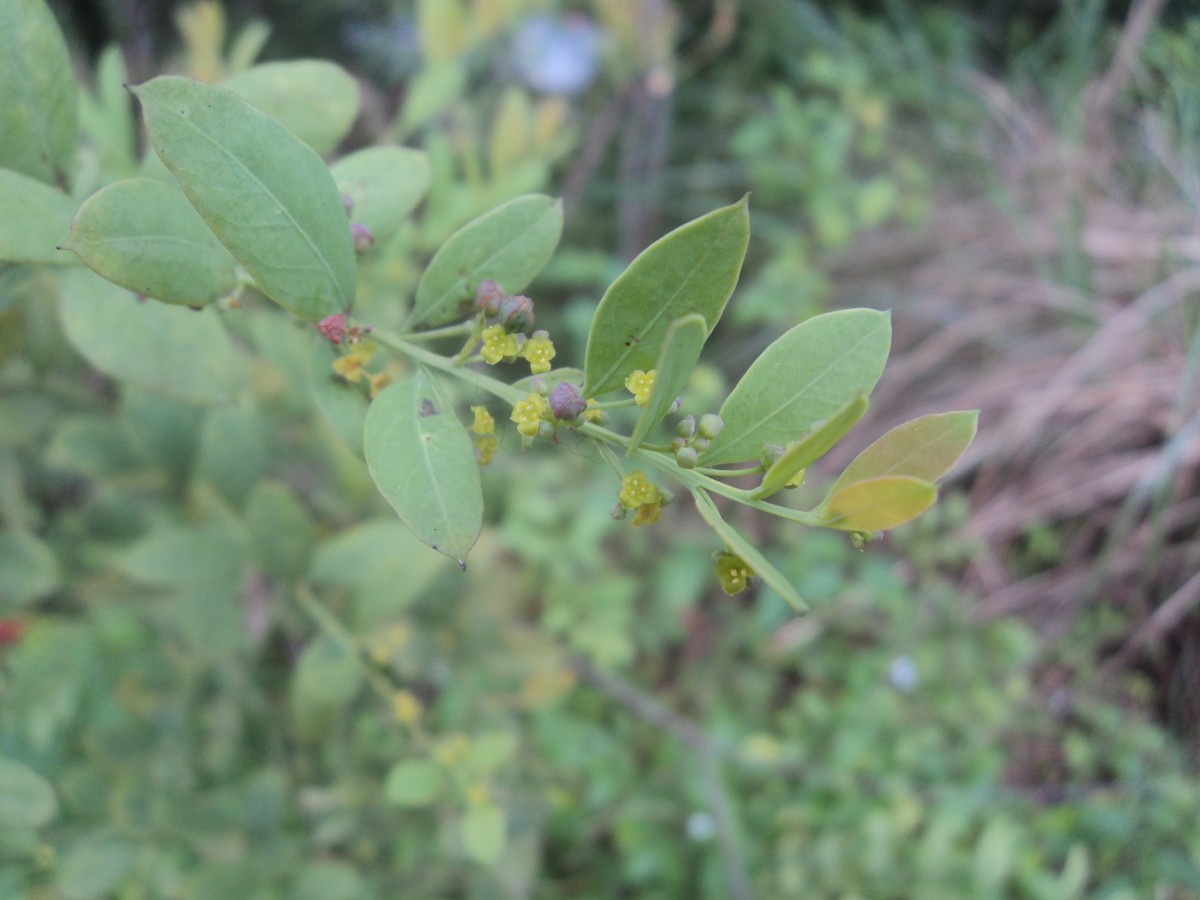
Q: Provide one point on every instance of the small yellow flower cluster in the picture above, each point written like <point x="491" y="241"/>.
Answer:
<point x="498" y="344"/>
<point x="528" y="414"/>
<point x="539" y="350"/>
<point x="640" y="384"/>
<point x="484" y="429"/>
<point x="733" y="572"/>
<point x="353" y="367"/>
<point x="638" y="491"/>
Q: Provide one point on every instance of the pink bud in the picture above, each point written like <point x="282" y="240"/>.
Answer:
<point x="362" y="236"/>
<point x="566" y="402"/>
<point x="333" y="327"/>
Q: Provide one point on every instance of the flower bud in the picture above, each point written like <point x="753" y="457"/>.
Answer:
<point x="362" y="236"/>
<point x="516" y="314"/>
<point x="618" y="511"/>
<point x="771" y="454"/>
<point x="488" y="296"/>
<point x="686" y="427"/>
<point x="679" y="443"/>
<point x="566" y="402"/>
<point x="700" y="444"/>
<point x="347" y="203"/>
<point x="333" y="327"/>
<point x="666" y="496"/>
<point x="685" y="457"/>
<point x="710" y="425"/>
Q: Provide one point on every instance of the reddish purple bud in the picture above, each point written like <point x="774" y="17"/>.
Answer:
<point x="362" y="236"/>
<point x="333" y="327"/>
<point x="566" y="402"/>
<point x="488" y="296"/>
<point x="516" y="314"/>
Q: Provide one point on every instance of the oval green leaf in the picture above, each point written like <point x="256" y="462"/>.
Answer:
<point x="877" y="504"/>
<point x="924" y="448"/>
<point x="509" y="245"/>
<point x="28" y="570"/>
<point x="34" y="220"/>
<point x="145" y="236"/>
<point x="805" y="376"/>
<point x="483" y="833"/>
<point x="694" y="269"/>
<point x="804" y="452"/>
<point x="681" y="348"/>
<point x="26" y="799"/>
<point x="168" y="350"/>
<point x="385" y="183"/>
<point x="747" y="551"/>
<point x="39" y="107"/>
<point x="413" y="782"/>
<point x="266" y="195"/>
<point x="421" y="459"/>
<point x="315" y="100"/>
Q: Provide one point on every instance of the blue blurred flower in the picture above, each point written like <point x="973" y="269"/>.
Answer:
<point x="558" y="57"/>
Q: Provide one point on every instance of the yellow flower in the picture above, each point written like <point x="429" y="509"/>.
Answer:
<point x="637" y="491"/>
<point x="528" y="413"/>
<point x="592" y="414"/>
<point x="733" y="572"/>
<point x="484" y="423"/>
<point x="379" y="382"/>
<point x="539" y="350"/>
<point x="647" y="514"/>
<point x="497" y="344"/>
<point x="640" y="384"/>
<point x="349" y="367"/>
<point x="485" y="448"/>
<point x="406" y="708"/>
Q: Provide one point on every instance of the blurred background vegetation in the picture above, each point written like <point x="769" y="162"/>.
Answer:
<point x="240" y="677"/>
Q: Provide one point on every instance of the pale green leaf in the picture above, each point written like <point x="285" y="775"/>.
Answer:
<point x="169" y="350"/>
<point x="209" y="555"/>
<point x="771" y="576"/>
<point x="327" y="678"/>
<point x="34" y="220"/>
<point x="877" y="504"/>
<point x="512" y="132"/>
<point x="801" y="454"/>
<point x="413" y="782"/>
<point x="509" y="245"/>
<point x="385" y="183"/>
<point x="38" y="99"/>
<point x="26" y="799"/>
<point x="483" y="833"/>
<point x="434" y="88"/>
<point x="280" y="530"/>
<point x="266" y="195"/>
<point x="421" y="459"/>
<point x="145" y="236"/>
<point x="315" y="100"/>
<point x="107" y="117"/>
<point x="28" y="571"/>
<point x="94" y="868"/>
<point x="680" y="351"/>
<point x="343" y="405"/>
<point x="694" y="269"/>
<point x="924" y="448"/>
<point x="442" y="25"/>
<point x="805" y="376"/>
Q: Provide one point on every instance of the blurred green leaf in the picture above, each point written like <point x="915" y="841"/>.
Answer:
<point x="266" y="195"/>
<point x="483" y="833"/>
<point x="327" y="678"/>
<point x="805" y="376"/>
<point x="26" y="799"/>
<point x="145" y="236"/>
<point x="434" y="88"/>
<point x="924" y="448"/>
<point x="38" y="98"/>
<point x="442" y="25"/>
<point x="34" y="221"/>
<point x="234" y="451"/>
<point x="208" y="555"/>
<point x="800" y="454"/>
<point x="694" y="269"/>
<point x="422" y="461"/>
<point x="328" y="881"/>
<point x="94" y="869"/>
<point x="315" y="100"/>
<point x="414" y="782"/>
<point x="28" y="570"/>
<point x="385" y="183"/>
<point x="681" y="348"/>
<point x="107" y="118"/>
<point x="877" y="504"/>
<point x="509" y="245"/>
<point x="281" y="533"/>
<point x="343" y="405"/>
<point x="96" y="446"/>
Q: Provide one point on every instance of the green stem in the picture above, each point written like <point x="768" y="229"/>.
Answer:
<point x="728" y="473"/>
<point x="613" y="404"/>
<point x="437" y="333"/>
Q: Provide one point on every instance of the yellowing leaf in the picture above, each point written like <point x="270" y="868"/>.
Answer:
<point x="878" y="504"/>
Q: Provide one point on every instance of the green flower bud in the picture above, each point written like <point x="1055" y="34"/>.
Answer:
<point x="710" y="425"/>
<point x="685" y="457"/>
<point x="771" y="454"/>
<point x="686" y="427"/>
<point x="516" y="314"/>
<point x="618" y="511"/>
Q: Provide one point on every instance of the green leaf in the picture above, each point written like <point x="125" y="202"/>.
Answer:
<point x="210" y="555"/>
<point x="145" y="236"/>
<point x="28" y="572"/>
<point x="315" y="100"/>
<point x="26" y="799"/>
<point x="803" y="453"/>
<point x="326" y="681"/>
<point x="234" y="451"/>
<point x="385" y="183"/>
<point x="743" y="548"/>
<point x="691" y="270"/>
<point x="34" y="220"/>
<point x="93" y="869"/>
<point x="924" y="448"/>
<point x="805" y="376"/>
<point x="483" y="833"/>
<point x="421" y="459"/>
<point x="281" y="533"/>
<point x="343" y="405"/>
<point x="877" y="504"/>
<point x="430" y="92"/>
<point x="413" y="782"/>
<point x="38" y="100"/>
<point x="681" y="349"/>
<point x="169" y="350"/>
<point x="509" y="245"/>
<point x="266" y="195"/>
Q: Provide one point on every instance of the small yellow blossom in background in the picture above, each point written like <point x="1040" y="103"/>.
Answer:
<point x="349" y="367"/>
<point x="637" y="491"/>
<point x="592" y="414"/>
<point x="478" y="794"/>
<point x="484" y="430"/>
<point x="451" y="750"/>
<point x="640" y="384"/>
<point x="528" y="413"/>
<point x="647" y="514"/>
<point x="497" y="344"/>
<point x="484" y="423"/>
<point x="733" y="572"/>
<point x="378" y="383"/>
<point x="539" y="350"/>
<point x="485" y="448"/>
<point x="382" y="645"/>
<point x="406" y="708"/>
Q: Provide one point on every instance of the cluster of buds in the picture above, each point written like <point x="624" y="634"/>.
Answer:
<point x="506" y="339"/>
<point x="692" y="437"/>
<point x="640" y="494"/>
